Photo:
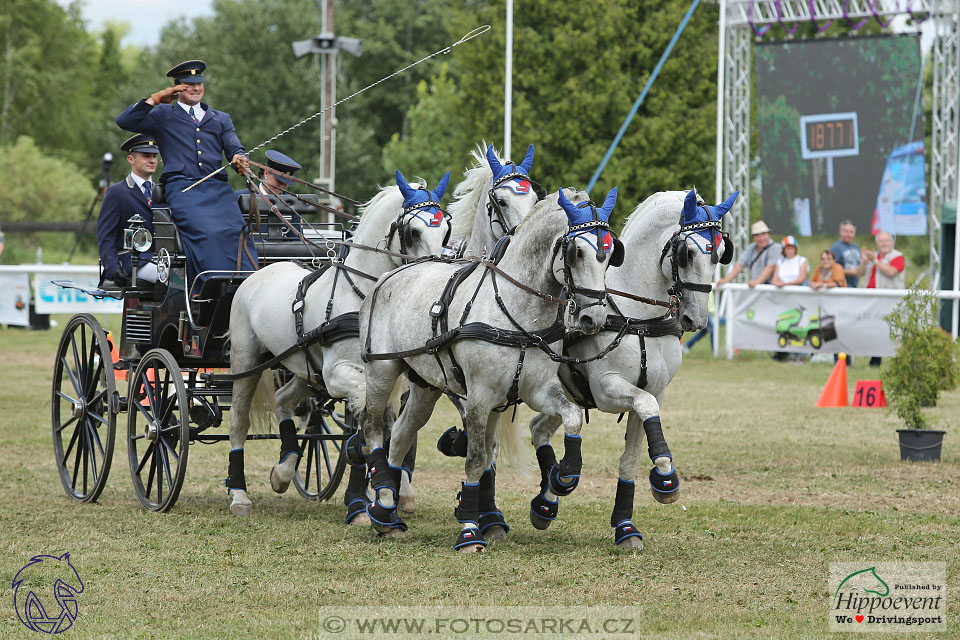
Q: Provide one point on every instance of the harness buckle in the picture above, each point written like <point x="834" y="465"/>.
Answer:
<point x="436" y="310"/>
<point x="297" y="305"/>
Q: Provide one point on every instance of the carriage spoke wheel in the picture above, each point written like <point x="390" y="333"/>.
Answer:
<point x="83" y="408"/>
<point x="322" y="462"/>
<point x="158" y="430"/>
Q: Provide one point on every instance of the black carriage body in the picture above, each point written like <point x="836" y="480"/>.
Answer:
<point x="165" y="345"/>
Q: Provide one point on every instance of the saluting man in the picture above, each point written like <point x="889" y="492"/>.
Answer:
<point x="193" y="139"/>
<point x="132" y="195"/>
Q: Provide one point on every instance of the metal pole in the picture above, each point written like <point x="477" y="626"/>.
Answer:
<point x="955" y="306"/>
<point x="718" y="180"/>
<point x="508" y="85"/>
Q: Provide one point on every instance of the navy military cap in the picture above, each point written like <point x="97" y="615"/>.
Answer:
<point x="140" y="142"/>
<point x="283" y="164"/>
<point x="188" y="72"/>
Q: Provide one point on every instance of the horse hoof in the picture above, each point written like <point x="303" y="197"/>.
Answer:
<point x="393" y="533"/>
<point x="407" y="504"/>
<point x="361" y="519"/>
<point x="278" y="485"/>
<point x="538" y="522"/>
<point x="472" y="548"/>
<point x="496" y="532"/>
<point x="240" y="509"/>
<point x="382" y="529"/>
<point x="631" y="544"/>
<point x="665" y="498"/>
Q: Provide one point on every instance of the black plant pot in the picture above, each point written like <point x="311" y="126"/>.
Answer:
<point x="920" y="445"/>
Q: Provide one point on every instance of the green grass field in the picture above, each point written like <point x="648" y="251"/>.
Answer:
<point x="773" y="491"/>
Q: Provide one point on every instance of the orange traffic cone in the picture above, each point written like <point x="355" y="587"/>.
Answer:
<point x="834" y="393"/>
<point x="118" y="374"/>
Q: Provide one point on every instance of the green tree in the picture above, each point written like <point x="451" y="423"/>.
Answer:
<point x="40" y="187"/>
<point x="577" y="71"/>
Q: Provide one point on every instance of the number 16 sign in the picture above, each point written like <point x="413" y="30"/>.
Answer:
<point x="869" y="394"/>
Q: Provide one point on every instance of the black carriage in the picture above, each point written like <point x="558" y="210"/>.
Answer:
<point x="162" y="373"/>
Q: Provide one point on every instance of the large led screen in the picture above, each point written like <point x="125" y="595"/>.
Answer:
<point x="841" y="135"/>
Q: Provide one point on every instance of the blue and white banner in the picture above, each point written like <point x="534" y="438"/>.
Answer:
<point x="52" y="298"/>
<point x="799" y="319"/>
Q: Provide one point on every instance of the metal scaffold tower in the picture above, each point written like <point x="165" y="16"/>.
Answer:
<point x="742" y="20"/>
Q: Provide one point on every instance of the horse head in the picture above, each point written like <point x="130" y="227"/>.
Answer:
<point x="581" y="258"/>
<point x="512" y="194"/>
<point x="691" y="250"/>
<point x="422" y="228"/>
<point x="43" y="581"/>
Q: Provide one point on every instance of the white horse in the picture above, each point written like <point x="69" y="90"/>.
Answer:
<point x="489" y="203"/>
<point x="266" y="311"/>
<point x="675" y="244"/>
<point x="504" y="315"/>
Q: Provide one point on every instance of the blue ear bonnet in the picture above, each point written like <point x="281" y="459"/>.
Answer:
<point x="585" y="217"/>
<point x="510" y="175"/>
<point x="693" y="213"/>
<point x="423" y="203"/>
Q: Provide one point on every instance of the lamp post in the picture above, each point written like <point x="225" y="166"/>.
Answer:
<point x="327" y="45"/>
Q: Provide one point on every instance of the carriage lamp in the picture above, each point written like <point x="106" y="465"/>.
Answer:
<point x="136" y="237"/>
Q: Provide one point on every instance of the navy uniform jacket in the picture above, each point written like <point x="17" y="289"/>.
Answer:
<point x="207" y="216"/>
<point x="121" y="201"/>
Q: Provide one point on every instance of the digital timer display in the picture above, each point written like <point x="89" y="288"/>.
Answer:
<point x="829" y="135"/>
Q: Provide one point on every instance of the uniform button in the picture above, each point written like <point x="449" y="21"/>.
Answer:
<point x="198" y="128"/>
<point x="200" y="163"/>
<point x="198" y="140"/>
<point x="199" y="152"/>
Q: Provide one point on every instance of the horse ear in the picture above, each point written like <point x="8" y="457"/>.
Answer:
<point x="690" y="206"/>
<point x="493" y="161"/>
<point x="527" y="163"/>
<point x="565" y="204"/>
<point x="608" y="204"/>
<point x="404" y="185"/>
<point x="726" y="205"/>
<point x="441" y="186"/>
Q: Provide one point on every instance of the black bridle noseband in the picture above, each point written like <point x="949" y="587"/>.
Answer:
<point x="495" y="209"/>
<point x="401" y="226"/>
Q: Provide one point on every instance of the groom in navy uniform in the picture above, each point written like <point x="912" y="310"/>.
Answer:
<point x="193" y="138"/>
<point x="132" y="195"/>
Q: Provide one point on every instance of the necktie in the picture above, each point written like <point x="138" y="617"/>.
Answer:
<point x="148" y="192"/>
<point x="195" y="121"/>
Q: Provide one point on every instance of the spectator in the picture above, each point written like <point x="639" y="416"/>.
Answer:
<point x="887" y="270"/>
<point x="829" y="275"/>
<point x="760" y="257"/>
<point x="3" y="243"/>
<point x="792" y="268"/>
<point x="847" y="254"/>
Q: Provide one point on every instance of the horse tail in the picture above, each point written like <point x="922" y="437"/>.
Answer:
<point x="514" y="447"/>
<point x="263" y="407"/>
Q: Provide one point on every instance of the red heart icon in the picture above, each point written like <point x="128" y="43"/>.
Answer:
<point x="859" y="618"/>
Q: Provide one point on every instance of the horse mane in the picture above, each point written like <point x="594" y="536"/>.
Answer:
<point x="468" y="193"/>
<point x="656" y="206"/>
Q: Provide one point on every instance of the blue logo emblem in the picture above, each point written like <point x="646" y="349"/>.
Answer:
<point x="45" y="594"/>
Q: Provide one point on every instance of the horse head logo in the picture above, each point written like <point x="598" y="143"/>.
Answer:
<point x="866" y="579"/>
<point x="45" y="593"/>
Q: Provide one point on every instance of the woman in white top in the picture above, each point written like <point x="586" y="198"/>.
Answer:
<point x="792" y="269"/>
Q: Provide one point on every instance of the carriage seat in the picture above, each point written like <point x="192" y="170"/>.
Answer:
<point x="165" y="233"/>
<point x="289" y="207"/>
<point x="216" y="296"/>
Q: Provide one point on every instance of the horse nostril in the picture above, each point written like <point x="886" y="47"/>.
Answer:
<point x="587" y="325"/>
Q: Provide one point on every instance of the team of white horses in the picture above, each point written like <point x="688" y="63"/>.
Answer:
<point x="546" y="307"/>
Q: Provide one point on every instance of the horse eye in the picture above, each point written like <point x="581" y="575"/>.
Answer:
<point x="691" y="256"/>
<point x="501" y="202"/>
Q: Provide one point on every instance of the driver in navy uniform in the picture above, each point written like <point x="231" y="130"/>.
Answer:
<point x="132" y="195"/>
<point x="193" y="138"/>
<point x="273" y="181"/>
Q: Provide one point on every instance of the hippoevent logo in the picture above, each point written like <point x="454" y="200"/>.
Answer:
<point x="45" y="594"/>
<point x="888" y="596"/>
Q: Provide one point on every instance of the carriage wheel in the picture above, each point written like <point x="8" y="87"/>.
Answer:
<point x="83" y="408"/>
<point x="322" y="462"/>
<point x="158" y="430"/>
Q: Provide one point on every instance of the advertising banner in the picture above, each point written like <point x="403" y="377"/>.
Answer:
<point x="51" y="298"/>
<point x="15" y="299"/>
<point x="801" y="320"/>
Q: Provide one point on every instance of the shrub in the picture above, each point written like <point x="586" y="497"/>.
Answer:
<point x="926" y="360"/>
